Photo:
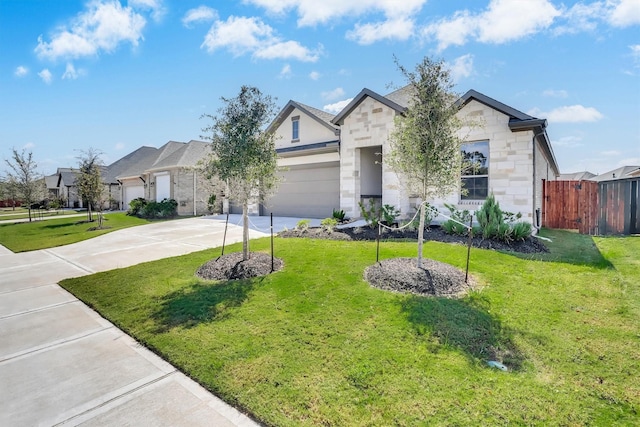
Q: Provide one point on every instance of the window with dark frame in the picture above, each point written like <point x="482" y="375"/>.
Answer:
<point x="295" y="128"/>
<point x="475" y="177"/>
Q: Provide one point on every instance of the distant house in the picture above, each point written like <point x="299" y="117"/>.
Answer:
<point x="337" y="162"/>
<point x="67" y="187"/>
<point x="167" y="172"/>
<point x="576" y="176"/>
<point x="623" y="172"/>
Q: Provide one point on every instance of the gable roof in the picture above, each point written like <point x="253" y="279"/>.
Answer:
<point x="339" y="118"/>
<point x="134" y="163"/>
<point x="187" y="155"/>
<point x="319" y="116"/>
<point x="68" y="176"/>
<point x="619" y="173"/>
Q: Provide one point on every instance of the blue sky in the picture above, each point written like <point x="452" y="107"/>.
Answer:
<point x="115" y="74"/>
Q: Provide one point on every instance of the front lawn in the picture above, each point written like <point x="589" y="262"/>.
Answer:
<point x="8" y="214"/>
<point x="29" y="236"/>
<point x="316" y="345"/>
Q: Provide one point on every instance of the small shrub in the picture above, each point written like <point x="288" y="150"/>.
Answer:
<point x="303" y="224"/>
<point x="136" y="206"/>
<point x="329" y="224"/>
<point x="490" y="218"/>
<point x="338" y="215"/>
<point x="457" y="223"/>
<point x="389" y="213"/>
<point x="211" y="203"/>
<point x="370" y="213"/>
<point x="521" y="230"/>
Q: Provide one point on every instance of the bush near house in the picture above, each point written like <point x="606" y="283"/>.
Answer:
<point x="493" y="223"/>
<point x="140" y="207"/>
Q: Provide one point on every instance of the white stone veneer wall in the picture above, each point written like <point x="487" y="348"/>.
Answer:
<point x="368" y="125"/>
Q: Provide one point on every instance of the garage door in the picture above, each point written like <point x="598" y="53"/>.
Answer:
<point x="307" y="191"/>
<point x="132" y="192"/>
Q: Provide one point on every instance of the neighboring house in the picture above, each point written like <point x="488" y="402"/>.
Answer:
<point x="576" y="176"/>
<point x="167" y="172"/>
<point x="341" y="159"/>
<point x="623" y="172"/>
<point x="51" y="181"/>
<point x="67" y="187"/>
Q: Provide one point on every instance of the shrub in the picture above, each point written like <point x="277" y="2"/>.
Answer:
<point x="490" y="218"/>
<point x="136" y="206"/>
<point x="521" y="230"/>
<point x="338" y="215"/>
<point x="303" y="224"/>
<point x="329" y="224"/>
<point x="371" y="213"/>
<point x="457" y="223"/>
<point x="211" y="203"/>
<point x="167" y="208"/>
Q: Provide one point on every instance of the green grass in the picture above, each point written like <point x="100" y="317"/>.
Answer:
<point x="29" y="236"/>
<point x="8" y="214"/>
<point x="315" y="345"/>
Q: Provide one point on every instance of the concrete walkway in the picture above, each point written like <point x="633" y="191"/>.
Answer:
<point x="63" y="364"/>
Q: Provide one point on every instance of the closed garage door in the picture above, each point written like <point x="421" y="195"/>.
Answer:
<point x="132" y="192"/>
<point x="307" y="191"/>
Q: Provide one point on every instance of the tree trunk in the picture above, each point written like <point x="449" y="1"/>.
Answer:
<point x="245" y="231"/>
<point x="29" y="213"/>
<point x="421" y="233"/>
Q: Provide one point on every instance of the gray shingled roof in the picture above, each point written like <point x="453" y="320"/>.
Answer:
<point x="320" y="116"/>
<point x="619" y="173"/>
<point x="186" y="155"/>
<point x="402" y="96"/>
<point x="134" y="163"/>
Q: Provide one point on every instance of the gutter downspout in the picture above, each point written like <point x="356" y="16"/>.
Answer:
<point x="535" y="178"/>
<point x="194" y="193"/>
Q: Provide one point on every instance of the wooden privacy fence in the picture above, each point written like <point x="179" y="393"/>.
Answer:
<point x="609" y="207"/>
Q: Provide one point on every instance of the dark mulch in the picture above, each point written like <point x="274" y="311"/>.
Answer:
<point x="434" y="278"/>
<point x="434" y="233"/>
<point x="232" y="267"/>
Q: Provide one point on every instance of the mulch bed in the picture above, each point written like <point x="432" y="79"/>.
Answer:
<point x="232" y="267"/>
<point x="434" y="233"/>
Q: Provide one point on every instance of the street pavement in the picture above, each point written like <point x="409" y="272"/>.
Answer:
<point x="63" y="364"/>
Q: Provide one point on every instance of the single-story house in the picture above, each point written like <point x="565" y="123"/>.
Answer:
<point x="168" y="172"/>
<point x="337" y="162"/>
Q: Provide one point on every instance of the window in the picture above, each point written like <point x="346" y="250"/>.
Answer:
<point x="475" y="177"/>
<point x="295" y="128"/>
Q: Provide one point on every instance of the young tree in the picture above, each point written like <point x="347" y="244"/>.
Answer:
<point x="425" y="146"/>
<point x="242" y="154"/>
<point x="89" y="182"/>
<point x="23" y="177"/>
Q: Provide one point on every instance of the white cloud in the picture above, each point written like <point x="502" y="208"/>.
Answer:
<point x="102" y="27"/>
<point x="569" y="114"/>
<point x="199" y="14"/>
<point x="568" y="141"/>
<point x="46" y="76"/>
<point x="397" y="25"/>
<point x="609" y="153"/>
<point x="503" y="21"/>
<point x="552" y="93"/>
<point x="70" y="72"/>
<point x="119" y="146"/>
<point x="392" y="29"/>
<point x="21" y="71"/>
<point x="287" y="50"/>
<point x="581" y="17"/>
<point x="155" y="6"/>
<point x="286" y="72"/>
<point x="28" y="146"/>
<point x="624" y="13"/>
<point x="333" y="94"/>
<point x="461" y="67"/>
<point x="337" y="106"/>
<point x="313" y="12"/>
<point x="314" y="75"/>
<point x="241" y="35"/>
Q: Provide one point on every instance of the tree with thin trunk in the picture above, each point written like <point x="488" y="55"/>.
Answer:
<point x="242" y="154"/>
<point x="89" y="182"/>
<point x="425" y="144"/>
<point x="24" y="178"/>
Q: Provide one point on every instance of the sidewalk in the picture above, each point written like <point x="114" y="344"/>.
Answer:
<point x="61" y="363"/>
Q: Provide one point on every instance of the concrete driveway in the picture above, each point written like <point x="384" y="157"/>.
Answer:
<point x="61" y="363"/>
